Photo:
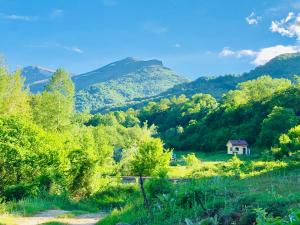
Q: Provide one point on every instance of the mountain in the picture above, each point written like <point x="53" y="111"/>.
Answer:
<point x="282" y="66"/>
<point x="123" y="81"/>
<point x="36" y="77"/>
<point x="113" y="84"/>
<point x="133" y="83"/>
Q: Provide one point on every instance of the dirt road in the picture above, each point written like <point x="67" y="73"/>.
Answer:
<point x="52" y="215"/>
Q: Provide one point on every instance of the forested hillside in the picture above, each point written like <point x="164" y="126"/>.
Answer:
<point x="254" y="112"/>
<point x="113" y="84"/>
<point x="133" y="83"/>
<point x="283" y="66"/>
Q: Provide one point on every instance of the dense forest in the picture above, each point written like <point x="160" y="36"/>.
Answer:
<point x="51" y="153"/>
<point x="253" y="112"/>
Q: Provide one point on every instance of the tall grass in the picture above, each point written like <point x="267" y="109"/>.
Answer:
<point x="224" y="198"/>
<point x="30" y="206"/>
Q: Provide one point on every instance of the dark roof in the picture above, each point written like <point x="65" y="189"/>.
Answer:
<point x="238" y="142"/>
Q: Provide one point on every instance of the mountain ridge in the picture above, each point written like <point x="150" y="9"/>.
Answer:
<point x="131" y="82"/>
<point x="114" y="83"/>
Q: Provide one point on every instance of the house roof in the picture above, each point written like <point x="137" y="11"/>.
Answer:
<point x="238" y="142"/>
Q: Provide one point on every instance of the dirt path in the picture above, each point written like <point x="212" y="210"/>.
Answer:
<point x="51" y="215"/>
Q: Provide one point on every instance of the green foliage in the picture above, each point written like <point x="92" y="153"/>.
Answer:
<point x="14" y="100"/>
<point x="54" y="108"/>
<point x="191" y="160"/>
<point x="145" y="82"/>
<point x="254" y="113"/>
<point x="32" y="205"/>
<point x="150" y="158"/>
<point x="53" y="223"/>
<point x="115" y="195"/>
<point x="27" y="153"/>
<point x="226" y="200"/>
<point x="264" y="219"/>
<point x="158" y="186"/>
<point x="289" y="144"/>
<point x="273" y="126"/>
<point x="255" y="90"/>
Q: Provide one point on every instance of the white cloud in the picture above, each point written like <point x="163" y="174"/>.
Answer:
<point x="241" y="53"/>
<point x="70" y="48"/>
<point x="74" y="49"/>
<point x="266" y="54"/>
<point x="261" y="56"/>
<point x="252" y="19"/>
<point x="226" y="52"/>
<point x="289" y="26"/>
<point x="16" y="17"/>
<point x="245" y="52"/>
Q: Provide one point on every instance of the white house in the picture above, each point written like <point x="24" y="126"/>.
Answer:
<point x="239" y="147"/>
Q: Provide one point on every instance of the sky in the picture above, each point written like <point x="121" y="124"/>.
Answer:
<point x="193" y="37"/>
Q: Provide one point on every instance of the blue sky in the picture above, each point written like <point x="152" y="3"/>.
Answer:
<point x="193" y="37"/>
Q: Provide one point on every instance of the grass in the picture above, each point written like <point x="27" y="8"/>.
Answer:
<point x="72" y="214"/>
<point x="54" y="223"/>
<point x="274" y="188"/>
<point x="31" y="206"/>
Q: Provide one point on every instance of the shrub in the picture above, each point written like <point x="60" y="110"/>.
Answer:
<point x="19" y="191"/>
<point x="158" y="186"/>
<point x="191" y="160"/>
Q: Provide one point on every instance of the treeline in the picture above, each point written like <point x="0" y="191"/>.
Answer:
<point x="259" y="111"/>
<point x="45" y="146"/>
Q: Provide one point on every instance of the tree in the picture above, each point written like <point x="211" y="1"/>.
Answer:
<point x="150" y="158"/>
<point x="54" y="108"/>
<point x="277" y="122"/>
<point x="27" y="153"/>
<point x="62" y="83"/>
<point x="255" y="90"/>
<point x="14" y="100"/>
<point x="289" y="143"/>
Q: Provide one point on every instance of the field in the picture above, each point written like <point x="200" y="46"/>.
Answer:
<point x="234" y="190"/>
<point x="225" y="198"/>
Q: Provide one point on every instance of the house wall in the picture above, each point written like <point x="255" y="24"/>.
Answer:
<point x="235" y="149"/>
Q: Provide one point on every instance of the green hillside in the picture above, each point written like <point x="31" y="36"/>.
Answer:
<point x="283" y="66"/>
<point x="112" y="85"/>
<point x="148" y="80"/>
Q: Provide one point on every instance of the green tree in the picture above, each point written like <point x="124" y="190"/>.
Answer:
<point x="14" y="100"/>
<point x="150" y="158"/>
<point x="62" y="83"/>
<point x="289" y="143"/>
<point x="27" y="153"/>
<point x="54" y="108"/>
<point x="277" y="122"/>
<point x="255" y="90"/>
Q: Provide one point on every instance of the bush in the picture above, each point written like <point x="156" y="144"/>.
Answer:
<point x="191" y="160"/>
<point x="27" y="153"/>
<point x="19" y="191"/>
<point x="158" y="186"/>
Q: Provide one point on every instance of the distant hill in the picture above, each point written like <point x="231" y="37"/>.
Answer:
<point x="36" y="77"/>
<point x="133" y="83"/>
<point x="283" y="66"/>
<point x="123" y="81"/>
<point x="113" y="84"/>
